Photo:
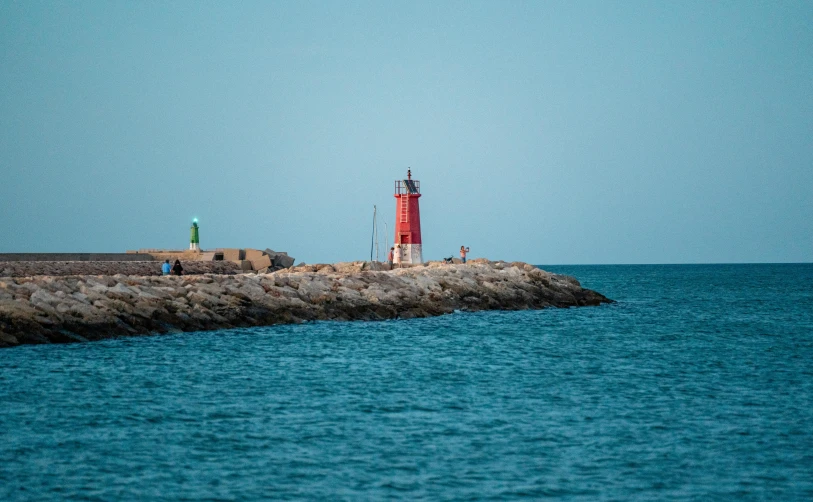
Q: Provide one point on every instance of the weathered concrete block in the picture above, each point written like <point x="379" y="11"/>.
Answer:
<point x="232" y="254"/>
<point x="260" y="263"/>
<point x="242" y="264"/>
<point x="282" y="259"/>
<point x="253" y="254"/>
<point x="207" y="256"/>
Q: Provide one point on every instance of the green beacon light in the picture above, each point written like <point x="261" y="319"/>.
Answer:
<point x="194" y="236"/>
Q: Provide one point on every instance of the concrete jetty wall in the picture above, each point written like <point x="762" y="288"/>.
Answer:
<point x="75" y="257"/>
<point x="65" y="268"/>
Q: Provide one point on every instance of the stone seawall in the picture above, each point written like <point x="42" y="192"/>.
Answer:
<point x="63" y="268"/>
<point x="75" y="257"/>
<point x="45" y="309"/>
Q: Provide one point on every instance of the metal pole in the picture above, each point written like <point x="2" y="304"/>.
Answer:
<point x="375" y="216"/>
<point x="372" y="237"/>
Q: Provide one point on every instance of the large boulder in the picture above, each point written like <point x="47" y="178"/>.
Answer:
<point x="349" y="266"/>
<point x="280" y="258"/>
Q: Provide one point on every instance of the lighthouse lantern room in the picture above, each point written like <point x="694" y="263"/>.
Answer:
<point x="407" y="221"/>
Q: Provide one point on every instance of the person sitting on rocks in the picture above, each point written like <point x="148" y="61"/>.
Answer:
<point x="463" y="251"/>
<point x="166" y="267"/>
<point x="177" y="269"/>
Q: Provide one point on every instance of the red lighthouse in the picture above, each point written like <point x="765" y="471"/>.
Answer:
<point x="407" y="221"/>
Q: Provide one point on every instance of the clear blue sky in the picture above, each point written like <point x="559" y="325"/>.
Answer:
<point x="548" y="132"/>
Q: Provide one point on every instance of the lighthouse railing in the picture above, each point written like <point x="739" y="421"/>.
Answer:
<point x="401" y="187"/>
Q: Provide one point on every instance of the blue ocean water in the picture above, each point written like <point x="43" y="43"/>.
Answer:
<point x="697" y="384"/>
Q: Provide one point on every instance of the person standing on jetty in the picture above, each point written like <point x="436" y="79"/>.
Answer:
<point x="463" y="251"/>
<point x="177" y="269"/>
<point x="166" y="267"/>
<point x="389" y="257"/>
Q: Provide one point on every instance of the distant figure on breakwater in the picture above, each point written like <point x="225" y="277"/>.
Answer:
<point x="463" y="251"/>
<point x="177" y="269"/>
<point x="166" y="267"/>
<point x="389" y="257"/>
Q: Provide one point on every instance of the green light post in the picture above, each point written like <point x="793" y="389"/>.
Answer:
<point x="194" y="237"/>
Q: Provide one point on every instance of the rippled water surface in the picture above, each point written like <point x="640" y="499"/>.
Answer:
<point x="697" y="384"/>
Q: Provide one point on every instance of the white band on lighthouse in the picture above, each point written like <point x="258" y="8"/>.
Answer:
<point x="410" y="253"/>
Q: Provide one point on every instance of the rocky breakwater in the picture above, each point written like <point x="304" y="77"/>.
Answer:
<point x="46" y="309"/>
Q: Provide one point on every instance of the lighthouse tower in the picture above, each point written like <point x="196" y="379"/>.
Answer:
<point x="194" y="237"/>
<point x="407" y="221"/>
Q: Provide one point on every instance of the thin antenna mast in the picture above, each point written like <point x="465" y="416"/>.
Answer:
<point x="375" y="229"/>
<point x="372" y="237"/>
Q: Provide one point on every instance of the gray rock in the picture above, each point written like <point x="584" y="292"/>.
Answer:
<point x="280" y="259"/>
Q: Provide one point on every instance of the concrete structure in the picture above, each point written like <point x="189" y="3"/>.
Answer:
<point x="260" y="262"/>
<point x="129" y="256"/>
<point x="246" y="260"/>
<point x="108" y="268"/>
<point x="407" y="221"/>
<point x="233" y="254"/>
<point x="253" y="254"/>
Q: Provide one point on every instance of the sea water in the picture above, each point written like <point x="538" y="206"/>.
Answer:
<point x="696" y="384"/>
